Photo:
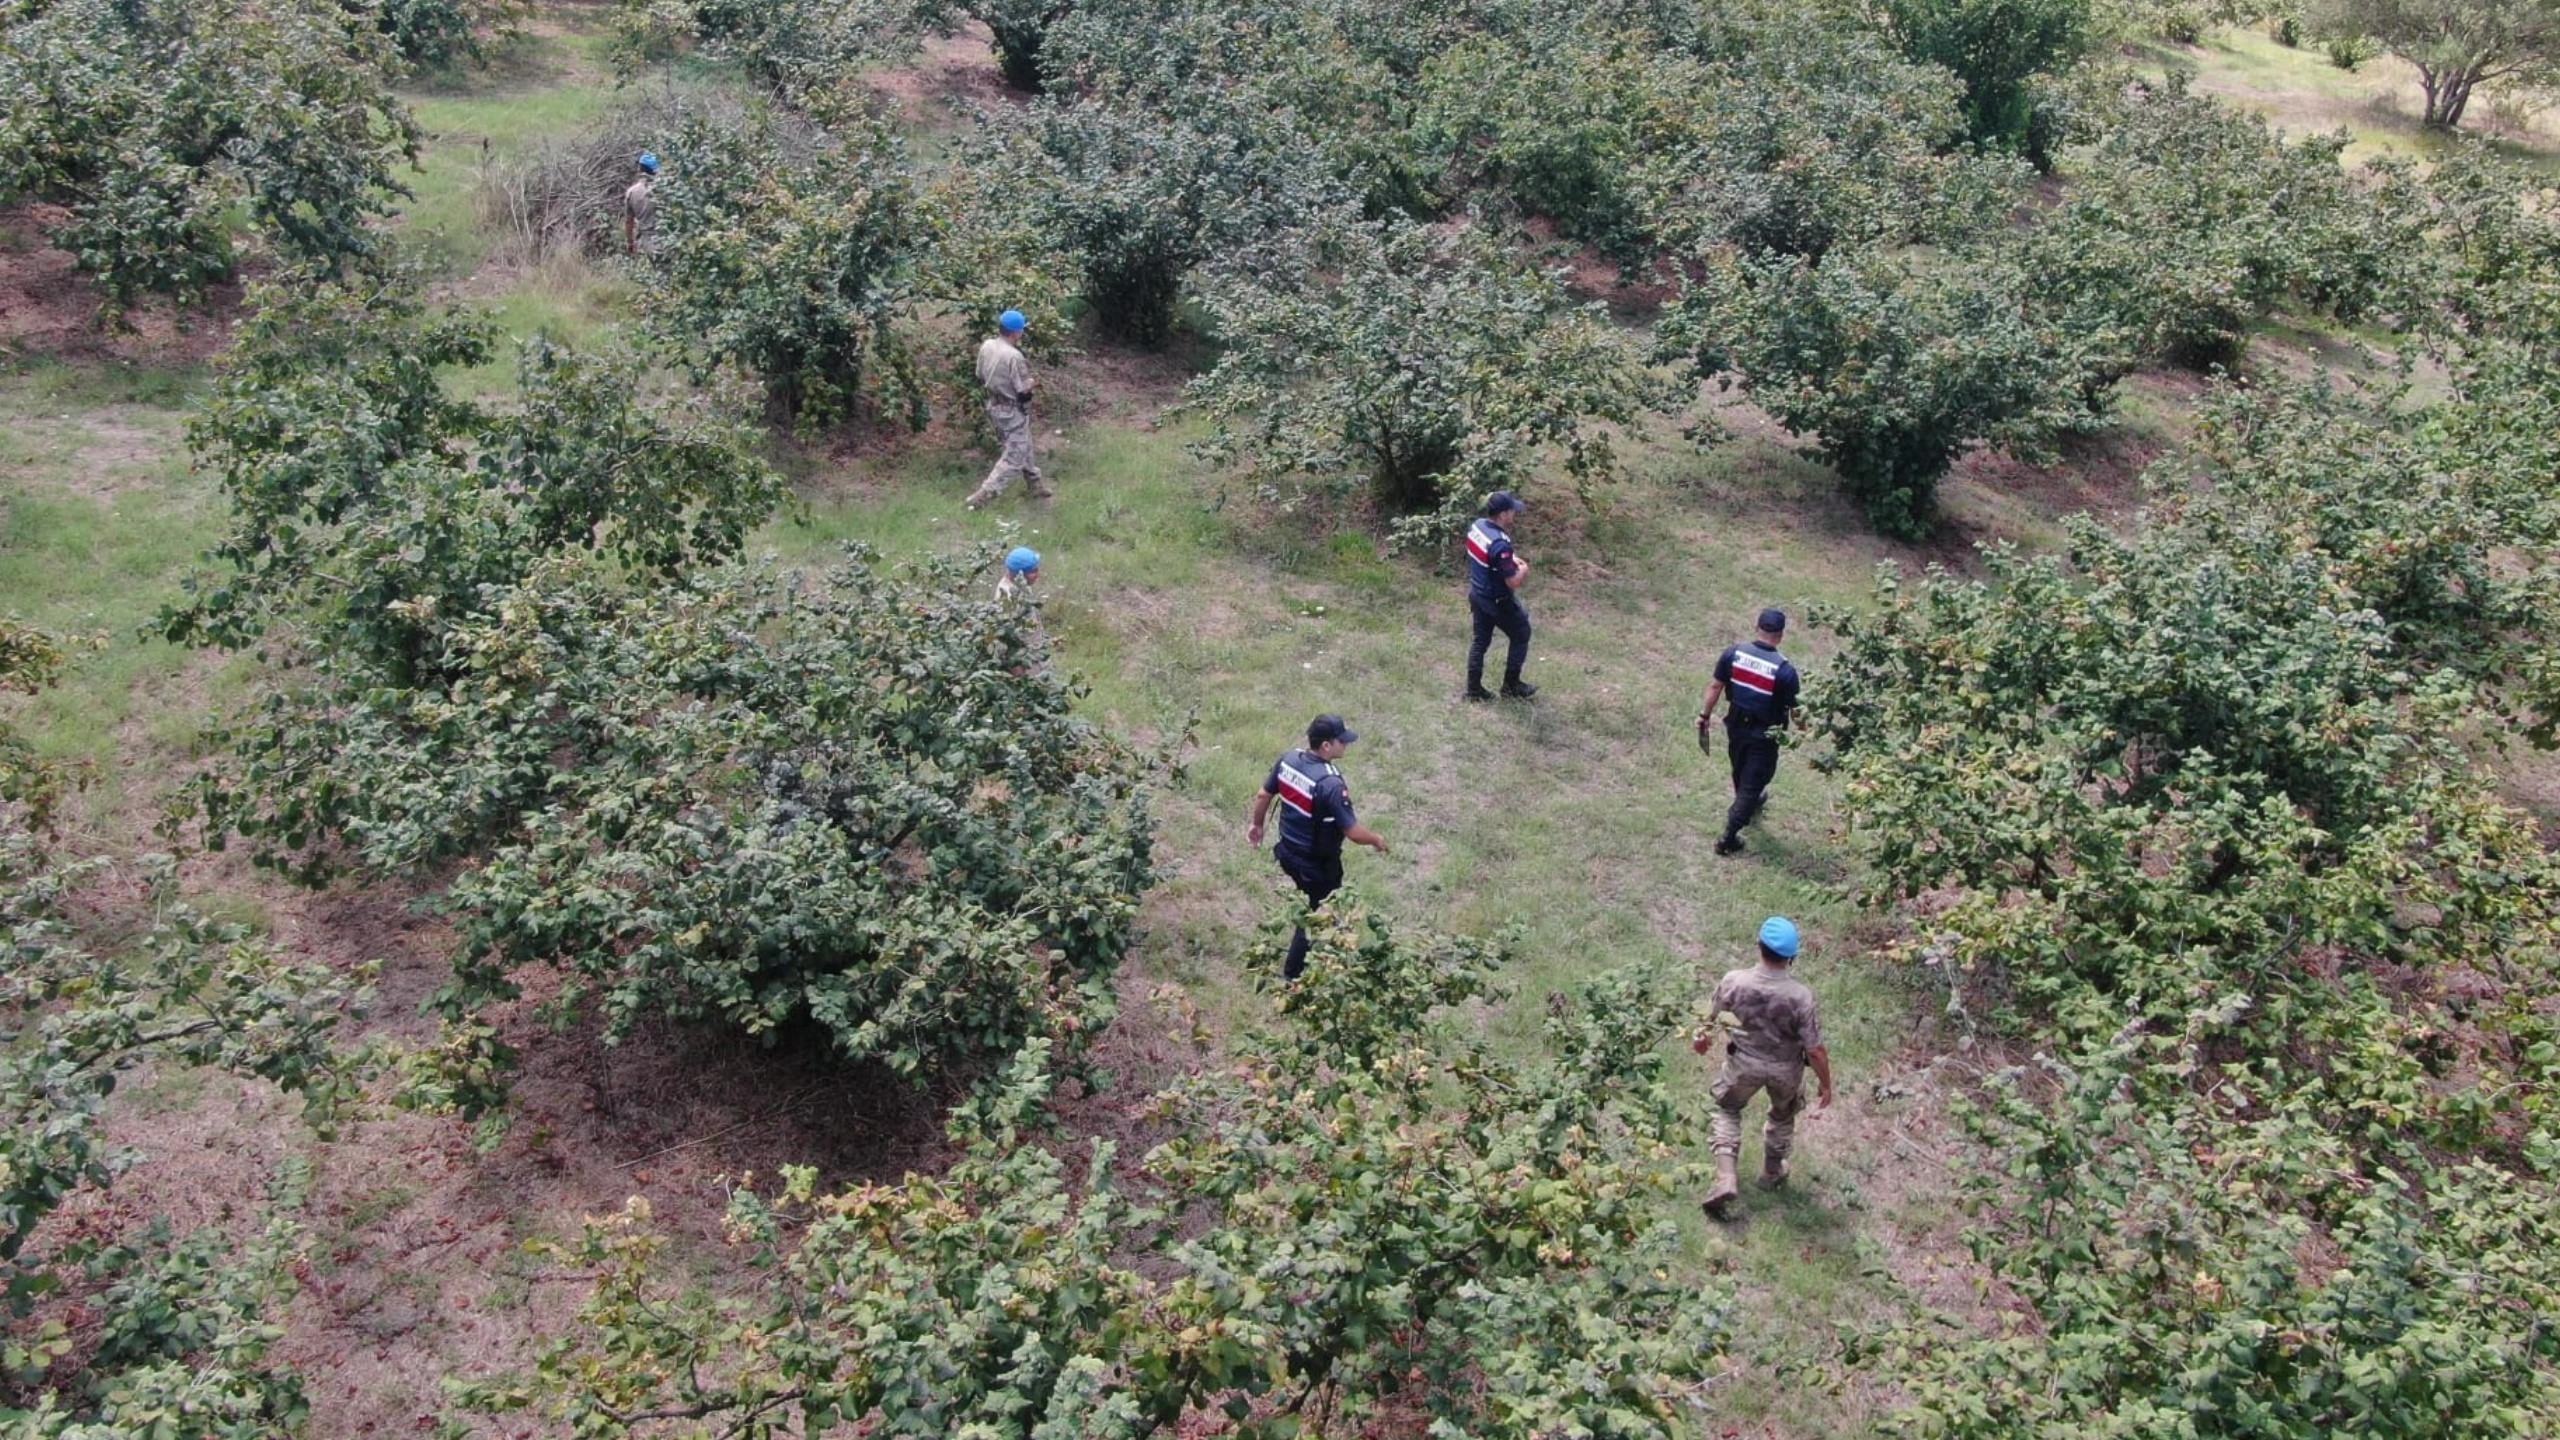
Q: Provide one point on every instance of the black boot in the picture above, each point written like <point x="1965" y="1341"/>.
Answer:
<point x="1517" y="689"/>
<point x="1478" y="692"/>
<point x="1729" y="845"/>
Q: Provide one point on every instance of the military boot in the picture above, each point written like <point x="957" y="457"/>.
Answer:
<point x="1773" y="1172"/>
<point x="1719" y="1204"/>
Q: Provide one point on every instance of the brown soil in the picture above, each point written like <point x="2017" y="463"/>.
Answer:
<point x="49" y="309"/>
<point x="956" y="70"/>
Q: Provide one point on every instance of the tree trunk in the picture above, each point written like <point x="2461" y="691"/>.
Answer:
<point x="2457" y="96"/>
<point x="2448" y="94"/>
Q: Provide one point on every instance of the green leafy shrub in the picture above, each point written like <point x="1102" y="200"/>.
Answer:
<point x="1798" y="136"/>
<point x="370" y="508"/>
<point x="803" y="247"/>
<point x="866" y="808"/>
<point x="1142" y="202"/>
<point x="2188" y="221"/>
<point x="160" y="124"/>
<point x="790" y="48"/>
<point x="1427" y="362"/>
<point x="2187" y="812"/>
<point x="786" y="251"/>
<point x="1322" y="1236"/>
<point x="1894" y="364"/>
<point x="433" y="34"/>
<point x="1997" y="48"/>
<point x="1021" y="30"/>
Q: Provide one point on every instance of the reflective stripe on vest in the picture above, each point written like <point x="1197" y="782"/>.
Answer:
<point x="1757" y="673"/>
<point x="1298" y="789"/>
<point x="1481" y="538"/>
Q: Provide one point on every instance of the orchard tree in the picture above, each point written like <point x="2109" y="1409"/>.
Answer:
<point x="2187" y="222"/>
<point x="1428" y="362"/>
<point x="1893" y="364"/>
<point x="2191" y="821"/>
<point x="1021" y="31"/>
<point x="1801" y="135"/>
<point x="2457" y="46"/>
<point x="804" y="247"/>
<point x="1141" y="201"/>
<point x="160" y="125"/>
<point x="790" y="48"/>
<point x="370" y="508"/>
<point x="788" y="251"/>
<point x="1325" y="1233"/>
<point x="433" y="34"/>
<point x="1999" y="49"/>
<point x="868" y="807"/>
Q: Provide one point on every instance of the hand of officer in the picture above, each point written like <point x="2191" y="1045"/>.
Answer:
<point x="1253" y="833"/>
<point x="1706" y="737"/>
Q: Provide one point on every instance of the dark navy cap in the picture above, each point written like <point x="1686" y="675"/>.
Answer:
<point x="1501" y="500"/>
<point x="1329" y="727"/>
<point x="1774" y="620"/>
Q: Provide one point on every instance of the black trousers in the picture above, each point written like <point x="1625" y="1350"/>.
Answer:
<point x="1754" y="752"/>
<point x="1317" y="879"/>
<point x="1510" y="617"/>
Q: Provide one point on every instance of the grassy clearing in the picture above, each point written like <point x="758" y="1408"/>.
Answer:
<point x="2378" y="103"/>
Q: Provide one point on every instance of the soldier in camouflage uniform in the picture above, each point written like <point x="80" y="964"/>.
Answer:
<point x="1007" y="377"/>
<point x="1771" y="1030"/>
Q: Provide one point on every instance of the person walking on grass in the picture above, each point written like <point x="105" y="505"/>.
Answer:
<point x="1494" y="573"/>
<point x="640" y="206"/>
<point x="1762" y="685"/>
<point x="1771" y="1030"/>
<point x="1007" y="377"/>
<point x="1315" y="818"/>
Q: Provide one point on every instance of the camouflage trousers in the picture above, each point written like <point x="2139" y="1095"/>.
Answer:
<point x="1013" y="428"/>
<point x="1736" y="1083"/>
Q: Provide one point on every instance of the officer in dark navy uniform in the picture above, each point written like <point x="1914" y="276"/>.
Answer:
<point x="1494" y="573"/>
<point x="1762" y="685"/>
<point x="1315" y="818"/>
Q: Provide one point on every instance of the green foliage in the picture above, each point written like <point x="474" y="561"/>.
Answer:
<point x="1895" y="363"/>
<point x="1427" y="361"/>
<point x="31" y="660"/>
<point x="185" y="1338"/>
<point x="792" y="48"/>
<point x="1141" y="202"/>
<point x="160" y="125"/>
<point x="805" y="251"/>
<point x="436" y="33"/>
<point x="370" y="508"/>
<point x="1799" y="135"/>
<point x="1324" y="1235"/>
<point x="784" y="251"/>
<point x="193" y="992"/>
<point x="1997" y="48"/>
<point x="2186" y="810"/>
<point x="699" y="793"/>
<point x="867" y="808"/>
<point x="183" y="1349"/>
<point x="2188" y="221"/>
<point x="1021" y="30"/>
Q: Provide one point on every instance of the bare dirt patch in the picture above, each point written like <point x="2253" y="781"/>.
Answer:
<point x="48" y="308"/>
<point x="957" y="70"/>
